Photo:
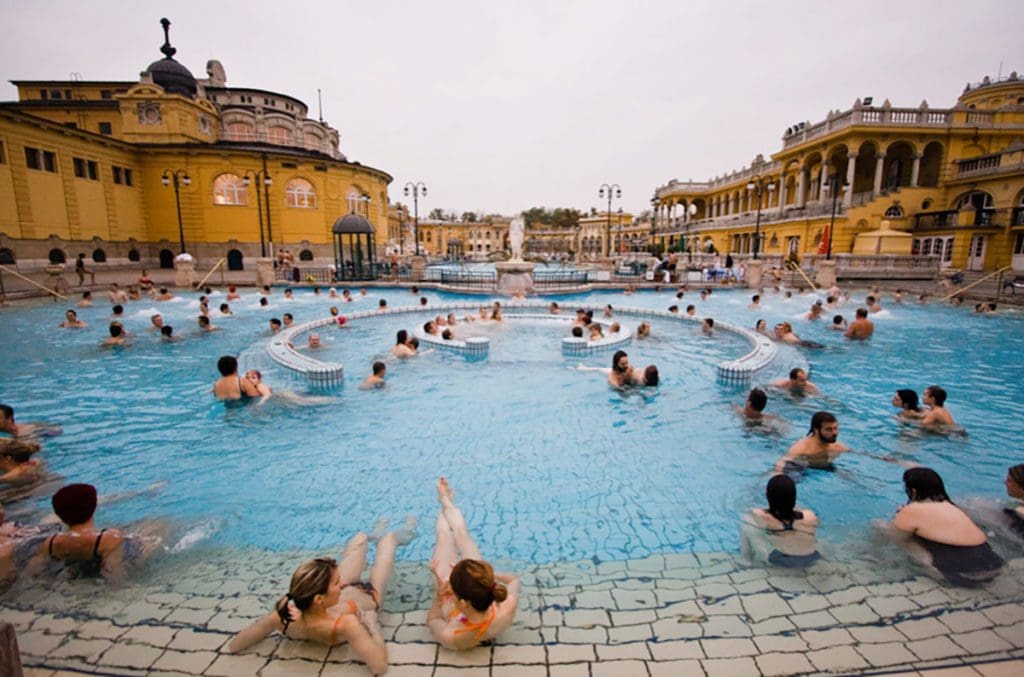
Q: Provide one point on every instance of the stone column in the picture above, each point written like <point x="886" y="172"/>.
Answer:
<point x="823" y="181"/>
<point x="264" y="272"/>
<point x="851" y="172"/>
<point x="184" y="273"/>
<point x="826" y="276"/>
<point x="782" y="193"/>
<point x="754" y="273"/>
<point x="418" y="263"/>
<point x="801" y="183"/>
<point x="915" y="170"/>
<point x="879" y="162"/>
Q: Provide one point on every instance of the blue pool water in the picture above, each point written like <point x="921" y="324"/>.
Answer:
<point x="549" y="464"/>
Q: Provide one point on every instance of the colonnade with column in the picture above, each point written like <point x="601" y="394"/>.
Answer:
<point x="804" y="180"/>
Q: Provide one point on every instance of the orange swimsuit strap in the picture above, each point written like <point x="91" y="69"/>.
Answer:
<point x="477" y="628"/>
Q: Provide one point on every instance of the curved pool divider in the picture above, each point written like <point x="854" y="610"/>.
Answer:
<point x="474" y="347"/>
<point x="281" y="348"/>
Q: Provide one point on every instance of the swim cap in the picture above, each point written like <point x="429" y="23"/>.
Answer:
<point x="341" y="320"/>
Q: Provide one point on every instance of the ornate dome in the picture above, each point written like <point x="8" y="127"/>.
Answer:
<point x="353" y="223"/>
<point x="168" y="73"/>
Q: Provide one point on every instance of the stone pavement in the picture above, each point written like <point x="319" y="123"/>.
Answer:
<point x="676" y="614"/>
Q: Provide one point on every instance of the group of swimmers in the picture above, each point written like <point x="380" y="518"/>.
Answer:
<point x="82" y="550"/>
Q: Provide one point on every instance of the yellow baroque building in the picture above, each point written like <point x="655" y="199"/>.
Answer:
<point x="919" y="182"/>
<point x="105" y="169"/>
<point x="464" y="239"/>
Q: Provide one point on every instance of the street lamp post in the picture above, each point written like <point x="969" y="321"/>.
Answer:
<point x="418" y="188"/>
<point x="654" y="223"/>
<point x="834" y="187"/>
<point x="757" y="184"/>
<point x="262" y="181"/>
<point x="177" y="176"/>
<point x="612" y="190"/>
<point x="691" y="210"/>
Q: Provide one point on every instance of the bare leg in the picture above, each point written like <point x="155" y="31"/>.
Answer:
<point x="464" y="543"/>
<point x="353" y="559"/>
<point x="383" y="565"/>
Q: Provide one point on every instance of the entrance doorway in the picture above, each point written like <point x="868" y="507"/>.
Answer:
<point x="976" y="256"/>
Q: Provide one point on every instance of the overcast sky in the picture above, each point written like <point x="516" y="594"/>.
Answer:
<point x="501" y="106"/>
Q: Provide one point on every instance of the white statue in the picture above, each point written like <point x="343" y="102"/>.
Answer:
<point x="515" y="238"/>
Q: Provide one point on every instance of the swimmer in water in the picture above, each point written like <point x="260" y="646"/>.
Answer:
<point x="838" y="323"/>
<point x="31" y="430"/>
<point x="230" y="386"/>
<point x="755" y="302"/>
<point x="233" y="294"/>
<point x="753" y="409"/>
<point x="762" y="328"/>
<point x="86" y="301"/>
<point x="782" y="535"/>
<point x="906" y="400"/>
<point x="375" y="380"/>
<point x="940" y="535"/>
<point x="644" y="330"/>
<point x="797" y="383"/>
<point x="818" y="449"/>
<point x="401" y="349"/>
<point x="861" y="328"/>
<point x="937" y="416"/>
<point x="116" y="337"/>
<point x="254" y="377"/>
<point x="816" y="311"/>
<point x="71" y="321"/>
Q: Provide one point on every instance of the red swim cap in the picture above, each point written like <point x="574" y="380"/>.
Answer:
<point x="341" y="319"/>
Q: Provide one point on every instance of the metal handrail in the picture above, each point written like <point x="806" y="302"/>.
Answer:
<point x="212" y="271"/>
<point x="977" y="282"/>
<point x="793" y="266"/>
<point x="33" y="282"/>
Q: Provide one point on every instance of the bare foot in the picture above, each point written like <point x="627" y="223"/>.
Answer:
<point x="443" y="490"/>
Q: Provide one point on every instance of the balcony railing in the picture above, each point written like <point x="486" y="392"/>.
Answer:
<point x="952" y="218"/>
<point x="902" y="117"/>
<point x="875" y="266"/>
<point x="262" y="137"/>
<point x="743" y="219"/>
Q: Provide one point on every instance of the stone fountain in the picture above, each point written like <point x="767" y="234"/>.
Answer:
<point x="515" y="276"/>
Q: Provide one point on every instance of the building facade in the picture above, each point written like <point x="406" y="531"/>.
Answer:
<point x="949" y="182"/>
<point x="128" y="171"/>
<point x="457" y="240"/>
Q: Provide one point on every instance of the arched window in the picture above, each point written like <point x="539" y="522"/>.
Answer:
<point x="239" y="131"/>
<point x="134" y="256"/>
<point x="280" y="136"/>
<point x="235" y="260"/>
<point x="99" y="256"/>
<point x="58" y="256"/>
<point x="300" y="193"/>
<point x="314" y="142"/>
<point x="305" y="255"/>
<point x="894" y="212"/>
<point x="977" y="199"/>
<point x="166" y="259"/>
<point x="6" y="256"/>
<point x="229" y="189"/>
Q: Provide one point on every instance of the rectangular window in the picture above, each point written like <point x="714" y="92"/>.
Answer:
<point x="55" y="94"/>
<point x="127" y="177"/>
<point x="49" y="161"/>
<point x="106" y="128"/>
<point x="3" y="159"/>
<point x="42" y="94"/>
<point x="1018" y="246"/>
<point x="117" y="175"/>
<point x="94" y="170"/>
<point x="33" y="159"/>
<point x="79" y="165"/>
<point x="106" y="94"/>
<point x="67" y="94"/>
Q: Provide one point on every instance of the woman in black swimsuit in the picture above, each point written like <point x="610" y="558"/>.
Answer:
<point x="941" y="535"/>
<point x="781" y="535"/>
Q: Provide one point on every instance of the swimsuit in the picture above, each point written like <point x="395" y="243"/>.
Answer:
<point x="964" y="565"/>
<point x="783" y="559"/>
<point x="83" y="568"/>
<point x="1016" y="521"/>
<point x="478" y="629"/>
<point x="365" y="587"/>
